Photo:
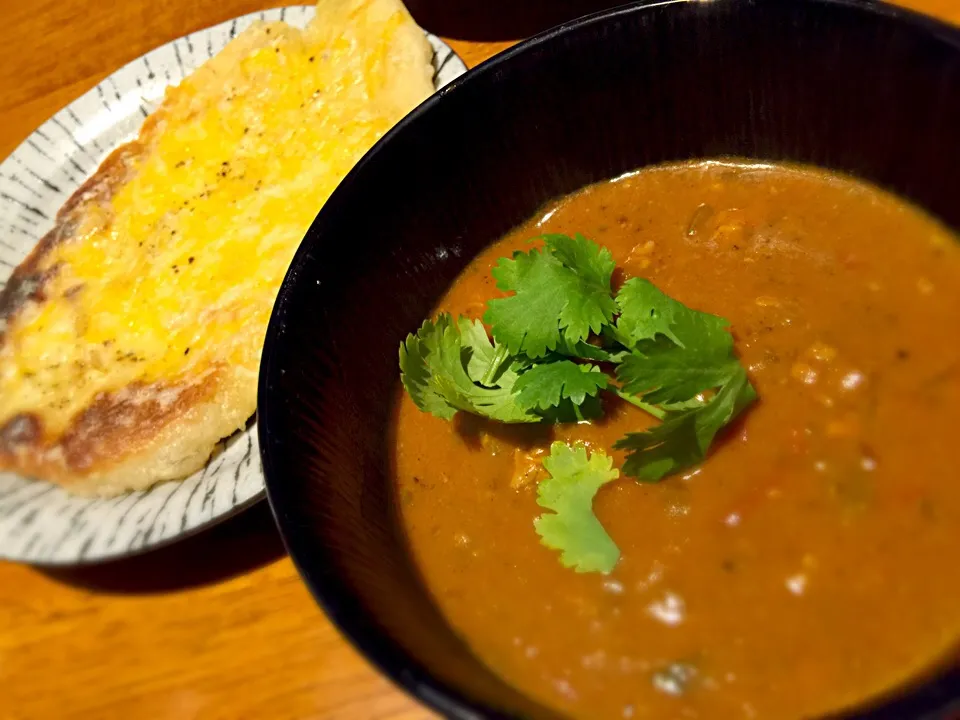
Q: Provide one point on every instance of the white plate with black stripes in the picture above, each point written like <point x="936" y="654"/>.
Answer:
<point x="40" y="523"/>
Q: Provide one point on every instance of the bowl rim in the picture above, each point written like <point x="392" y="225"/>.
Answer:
<point x="386" y="655"/>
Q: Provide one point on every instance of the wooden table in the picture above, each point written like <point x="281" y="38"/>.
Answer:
<point x="218" y="626"/>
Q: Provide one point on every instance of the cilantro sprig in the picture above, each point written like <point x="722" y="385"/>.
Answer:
<point x="557" y="338"/>
<point x="685" y="436"/>
<point x="451" y="365"/>
<point x="571" y="527"/>
<point x="677" y="356"/>
<point x="561" y="339"/>
<point x="561" y="295"/>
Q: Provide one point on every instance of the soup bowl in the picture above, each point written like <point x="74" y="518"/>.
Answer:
<point x="861" y="88"/>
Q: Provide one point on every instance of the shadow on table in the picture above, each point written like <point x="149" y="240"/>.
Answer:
<point x="490" y="20"/>
<point x="243" y="543"/>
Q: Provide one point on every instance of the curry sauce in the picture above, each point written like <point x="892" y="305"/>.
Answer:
<point x="800" y="569"/>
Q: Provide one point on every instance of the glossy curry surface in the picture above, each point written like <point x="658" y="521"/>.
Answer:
<point x="801" y="568"/>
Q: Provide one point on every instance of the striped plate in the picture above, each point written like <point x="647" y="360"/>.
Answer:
<point x="40" y="523"/>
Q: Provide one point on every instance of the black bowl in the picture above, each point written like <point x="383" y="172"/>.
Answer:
<point x="861" y="88"/>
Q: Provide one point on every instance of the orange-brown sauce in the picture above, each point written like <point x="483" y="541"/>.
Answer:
<point x="804" y="566"/>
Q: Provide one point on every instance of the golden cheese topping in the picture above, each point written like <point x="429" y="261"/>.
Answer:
<point x="176" y="273"/>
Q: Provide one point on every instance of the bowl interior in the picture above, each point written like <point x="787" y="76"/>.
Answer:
<point x="859" y="88"/>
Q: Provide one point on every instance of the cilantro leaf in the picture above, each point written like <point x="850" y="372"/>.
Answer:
<point x="433" y="367"/>
<point x="660" y="451"/>
<point x="684" y="438"/>
<point x="486" y="361"/>
<point x="563" y="287"/>
<point x="593" y="263"/>
<point x="572" y="528"/>
<point x="585" y="351"/>
<point x="645" y="312"/>
<point x="663" y="372"/>
<point x="697" y="401"/>
<point x="677" y="352"/>
<point x="567" y="412"/>
<point x="544" y="385"/>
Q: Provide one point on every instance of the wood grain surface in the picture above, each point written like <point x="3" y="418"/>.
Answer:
<point x="218" y="626"/>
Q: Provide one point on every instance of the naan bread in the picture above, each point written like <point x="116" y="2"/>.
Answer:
<point x="130" y="338"/>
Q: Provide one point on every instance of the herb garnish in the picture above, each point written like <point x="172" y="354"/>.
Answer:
<point x="452" y="365"/>
<point x="572" y="527"/>
<point x="677" y="355"/>
<point x="554" y="340"/>
<point x="562" y="293"/>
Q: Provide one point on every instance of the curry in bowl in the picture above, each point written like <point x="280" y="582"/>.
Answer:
<point x="682" y="446"/>
<point x="670" y="432"/>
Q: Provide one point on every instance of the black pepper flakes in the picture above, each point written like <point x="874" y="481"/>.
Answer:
<point x="187" y="351"/>
<point x="190" y="260"/>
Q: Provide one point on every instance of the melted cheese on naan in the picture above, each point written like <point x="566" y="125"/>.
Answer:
<point x="175" y="275"/>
